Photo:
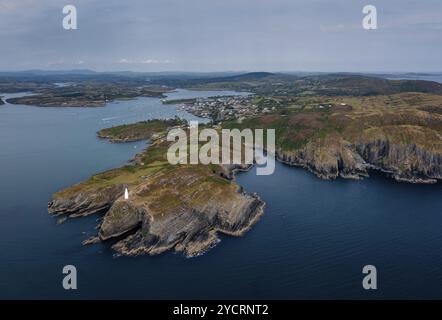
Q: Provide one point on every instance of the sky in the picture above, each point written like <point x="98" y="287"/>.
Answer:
<point x="222" y="35"/>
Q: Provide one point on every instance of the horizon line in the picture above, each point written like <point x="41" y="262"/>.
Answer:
<point x="215" y="71"/>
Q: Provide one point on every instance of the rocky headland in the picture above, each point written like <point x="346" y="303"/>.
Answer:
<point x="181" y="208"/>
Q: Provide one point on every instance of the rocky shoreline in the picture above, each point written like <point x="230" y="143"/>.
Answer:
<point x="191" y="231"/>
<point x="409" y="164"/>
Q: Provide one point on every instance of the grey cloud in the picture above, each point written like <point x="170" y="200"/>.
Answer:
<point x="201" y="35"/>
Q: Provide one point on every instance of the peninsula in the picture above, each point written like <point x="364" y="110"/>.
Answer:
<point x="180" y="207"/>
<point x="185" y="207"/>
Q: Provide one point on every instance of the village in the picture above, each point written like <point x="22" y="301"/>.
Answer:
<point x="224" y="108"/>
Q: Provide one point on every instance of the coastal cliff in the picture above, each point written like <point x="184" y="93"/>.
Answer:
<point x="182" y="210"/>
<point x="404" y="163"/>
<point x="189" y="228"/>
<point x="84" y="202"/>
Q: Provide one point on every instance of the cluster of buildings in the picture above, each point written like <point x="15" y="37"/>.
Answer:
<point x="224" y="108"/>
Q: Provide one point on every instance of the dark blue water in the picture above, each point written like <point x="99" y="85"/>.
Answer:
<point x="312" y="242"/>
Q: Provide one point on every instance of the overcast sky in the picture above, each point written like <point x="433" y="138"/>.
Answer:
<point x="222" y="35"/>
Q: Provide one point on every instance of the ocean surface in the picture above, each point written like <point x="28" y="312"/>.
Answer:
<point x="312" y="242"/>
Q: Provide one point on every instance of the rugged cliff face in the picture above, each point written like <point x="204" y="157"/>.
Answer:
<point x="84" y="202"/>
<point x="190" y="230"/>
<point x="409" y="163"/>
<point x="405" y="163"/>
<point x="327" y="159"/>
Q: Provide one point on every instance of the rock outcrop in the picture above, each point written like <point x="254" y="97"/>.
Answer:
<point x="408" y="163"/>
<point x="404" y="163"/>
<point x="327" y="160"/>
<point x="84" y="202"/>
<point x="191" y="231"/>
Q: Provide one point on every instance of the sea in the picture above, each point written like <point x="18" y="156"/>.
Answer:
<point x="312" y="242"/>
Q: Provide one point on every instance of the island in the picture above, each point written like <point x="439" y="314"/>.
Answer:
<point x="87" y="95"/>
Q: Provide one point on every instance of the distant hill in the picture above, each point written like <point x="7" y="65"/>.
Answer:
<point x="263" y="83"/>
<point x="37" y="72"/>
<point x="249" y="76"/>
<point x="336" y="84"/>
